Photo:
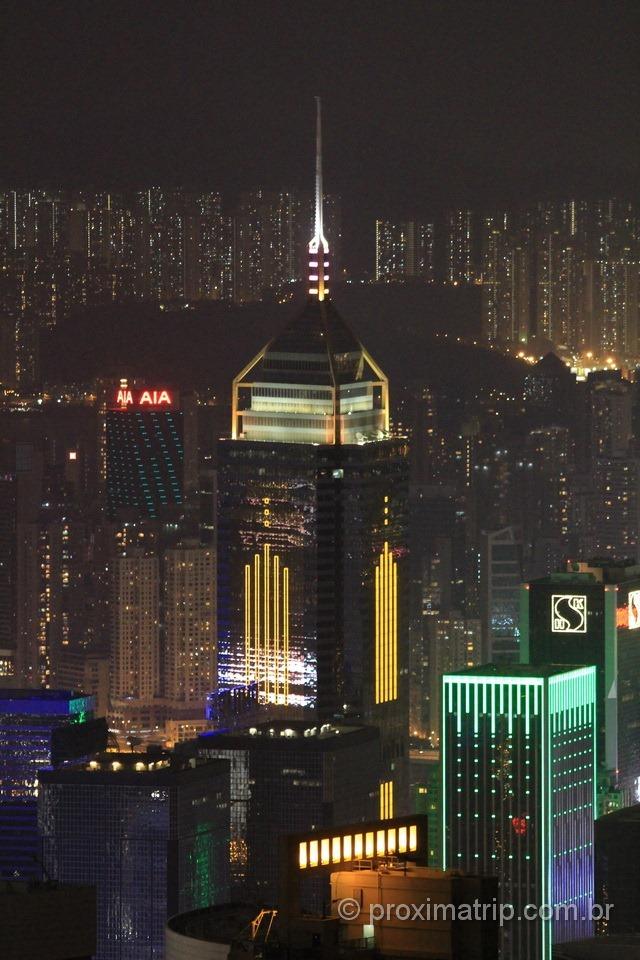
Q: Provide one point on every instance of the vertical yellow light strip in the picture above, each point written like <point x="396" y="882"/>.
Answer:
<point x="276" y="625"/>
<point x="388" y="560"/>
<point x="247" y="623"/>
<point x="285" y="598"/>
<point x="386" y="800"/>
<point x="386" y="627"/>
<point x="265" y="626"/>
<point x="394" y="630"/>
<point x="377" y="637"/>
<point x="383" y="629"/>
<point x="256" y="618"/>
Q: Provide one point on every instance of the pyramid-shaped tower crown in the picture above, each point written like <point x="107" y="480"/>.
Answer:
<point x="314" y="382"/>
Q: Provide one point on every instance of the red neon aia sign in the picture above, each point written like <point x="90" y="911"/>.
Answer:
<point x="130" y="397"/>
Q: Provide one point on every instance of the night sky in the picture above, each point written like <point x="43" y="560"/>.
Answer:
<point x="426" y="104"/>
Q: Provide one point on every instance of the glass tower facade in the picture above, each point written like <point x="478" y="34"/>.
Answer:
<point x="144" y="460"/>
<point x="519" y="794"/>
<point x="151" y="834"/>
<point x="39" y="729"/>
<point x="287" y="777"/>
<point x="312" y="533"/>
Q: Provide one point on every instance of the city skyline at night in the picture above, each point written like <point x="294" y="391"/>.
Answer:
<point x="319" y="481"/>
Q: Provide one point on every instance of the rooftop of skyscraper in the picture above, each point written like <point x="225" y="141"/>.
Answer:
<point x="516" y="670"/>
<point x="291" y="731"/>
<point x="162" y="767"/>
<point x="39" y="701"/>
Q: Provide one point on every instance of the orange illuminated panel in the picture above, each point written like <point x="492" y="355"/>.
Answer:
<point x="346" y="848"/>
<point x="402" y="840"/>
<point x="391" y="840"/>
<point x="336" y="854"/>
<point x="368" y="845"/>
<point x="413" y="838"/>
<point x="357" y="846"/>
<point x="313" y="854"/>
<point x="325" y="847"/>
<point x="376" y="840"/>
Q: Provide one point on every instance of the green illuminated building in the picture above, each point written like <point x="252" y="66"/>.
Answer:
<point x="518" y="768"/>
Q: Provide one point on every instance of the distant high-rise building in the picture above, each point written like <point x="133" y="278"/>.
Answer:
<point x="151" y="459"/>
<point x="216" y="249"/>
<point x="189" y="604"/>
<point x="456" y="645"/>
<point x="149" y="832"/>
<point x="547" y="471"/>
<point x="39" y="729"/>
<point x="404" y="251"/>
<point x="501" y="576"/>
<point x="8" y="575"/>
<point x="248" y="278"/>
<point x="610" y="306"/>
<point x="614" y="506"/>
<point x="609" y="400"/>
<point x="135" y="617"/>
<point x="459" y="247"/>
<point x="506" y="281"/>
<point x="519" y="794"/>
<point x="558" y="297"/>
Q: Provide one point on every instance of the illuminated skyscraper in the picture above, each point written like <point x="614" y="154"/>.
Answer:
<point x="505" y="282"/>
<point x="519" y="793"/>
<point x="39" y="729"/>
<point x="189" y="623"/>
<point x="151" y="451"/>
<point x="460" y="239"/>
<point x="135" y="617"/>
<point x="312" y="523"/>
<point x="558" y="271"/>
<point x="501" y="576"/>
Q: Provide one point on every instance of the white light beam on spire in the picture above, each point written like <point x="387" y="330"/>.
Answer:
<point x="318" y="247"/>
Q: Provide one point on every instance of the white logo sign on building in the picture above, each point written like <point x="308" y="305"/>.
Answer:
<point x="568" y="613"/>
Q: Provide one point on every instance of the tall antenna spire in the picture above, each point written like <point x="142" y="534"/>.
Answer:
<point x="318" y="248"/>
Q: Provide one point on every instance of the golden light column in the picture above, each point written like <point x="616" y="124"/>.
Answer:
<point x="266" y="626"/>
<point x="386" y="627"/>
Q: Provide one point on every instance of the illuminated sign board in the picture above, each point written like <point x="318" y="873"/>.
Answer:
<point x="568" y="613"/>
<point x="127" y="397"/>
<point x="633" y="607"/>
<point x="404" y="837"/>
